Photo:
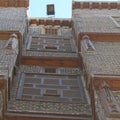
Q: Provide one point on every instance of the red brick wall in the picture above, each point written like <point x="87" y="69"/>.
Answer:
<point x="14" y="3"/>
<point x="96" y="5"/>
<point x="51" y="22"/>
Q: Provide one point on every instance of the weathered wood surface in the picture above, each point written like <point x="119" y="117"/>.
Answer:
<point x="68" y="62"/>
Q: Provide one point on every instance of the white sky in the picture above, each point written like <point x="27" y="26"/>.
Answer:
<point x="62" y="7"/>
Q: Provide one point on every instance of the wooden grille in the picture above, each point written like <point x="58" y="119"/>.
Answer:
<point x="51" y="93"/>
<point x="54" y="88"/>
<point x="51" y="31"/>
<point x="50" y="70"/>
<point x="51" y="47"/>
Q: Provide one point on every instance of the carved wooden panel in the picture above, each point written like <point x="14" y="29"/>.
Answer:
<point x="61" y="62"/>
<point x="50" y="70"/>
<point x="51" y="31"/>
<point x="113" y="82"/>
<point x="109" y="103"/>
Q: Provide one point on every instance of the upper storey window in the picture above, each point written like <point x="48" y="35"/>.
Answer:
<point x="51" y="30"/>
<point x="87" y="44"/>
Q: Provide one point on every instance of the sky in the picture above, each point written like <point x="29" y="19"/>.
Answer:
<point x="62" y="8"/>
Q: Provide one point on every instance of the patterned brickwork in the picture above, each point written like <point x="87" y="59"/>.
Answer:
<point x="96" y="21"/>
<point x="12" y="19"/>
<point x="91" y="25"/>
<point x="7" y="59"/>
<point x="2" y="43"/>
<point x="49" y="54"/>
<point x="105" y="59"/>
<point x="49" y="108"/>
<point x="7" y="62"/>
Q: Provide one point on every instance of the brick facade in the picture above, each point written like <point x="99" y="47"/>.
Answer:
<point x="64" y="69"/>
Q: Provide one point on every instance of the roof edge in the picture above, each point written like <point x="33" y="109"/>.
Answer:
<point x="95" y="5"/>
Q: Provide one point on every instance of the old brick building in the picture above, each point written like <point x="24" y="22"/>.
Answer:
<point x="60" y="69"/>
<point x="97" y="32"/>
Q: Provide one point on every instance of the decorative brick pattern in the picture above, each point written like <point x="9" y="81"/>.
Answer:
<point x="95" y="21"/>
<point x="2" y="43"/>
<point x="49" y="54"/>
<point x="96" y="24"/>
<point x="105" y="59"/>
<point x="13" y="19"/>
<point x="49" y="108"/>
<point x="7" y="61"/>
